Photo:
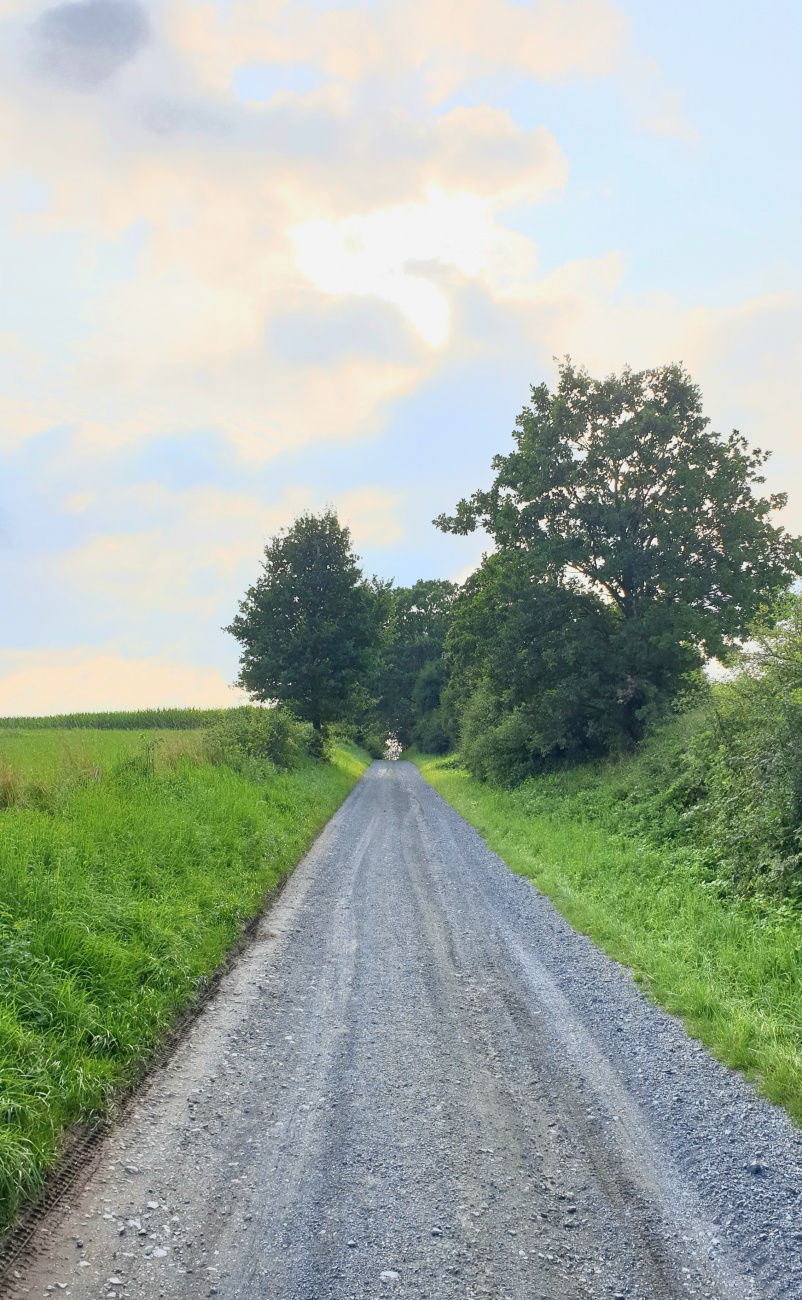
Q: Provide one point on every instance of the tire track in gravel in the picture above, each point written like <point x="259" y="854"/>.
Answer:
<point x="419" y="1081"/>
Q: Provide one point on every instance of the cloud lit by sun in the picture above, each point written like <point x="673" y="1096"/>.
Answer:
<point x="397" y="254"/>
<point x="262" y="255"/>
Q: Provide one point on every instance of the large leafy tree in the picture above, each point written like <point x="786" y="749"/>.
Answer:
<point x="621" y="483"/>
<point x="309" y="624"/>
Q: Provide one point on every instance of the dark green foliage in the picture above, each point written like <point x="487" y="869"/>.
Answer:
<point x="310" y="624"/>
<point x="620" y="481"/>
<point x="719" y="782"/>
<point x="372" y="739"/>
<point x="430" y="730"/>
<point x="495" y="742"/>
<point x="537" y="664"/>
<point x="410" y="673"/>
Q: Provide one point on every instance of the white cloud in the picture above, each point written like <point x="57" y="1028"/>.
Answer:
<point x="373" y="514"/>
<point x="191" y="553"/>
<point x="180" y="338"/>
<point x="187" y="552"/>
<point x="281" y="273"/>
<point x="449" y="40"/>
<point x="391" y="254"/>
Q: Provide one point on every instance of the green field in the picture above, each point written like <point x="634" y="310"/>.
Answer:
<point x="54" y="757"/>
<point x="128" y="864"/>
<point x="730" y="966"/>
<point x="131" y="720"/>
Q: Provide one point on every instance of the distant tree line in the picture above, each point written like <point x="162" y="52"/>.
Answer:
<point x="630" y="545"/>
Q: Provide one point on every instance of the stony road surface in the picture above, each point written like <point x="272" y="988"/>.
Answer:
<point x="420" y="1082"/>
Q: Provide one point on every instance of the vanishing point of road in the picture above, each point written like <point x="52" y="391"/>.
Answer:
<point x="418" y="1081"/>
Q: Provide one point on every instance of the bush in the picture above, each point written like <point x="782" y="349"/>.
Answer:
<point x="508" y="744"/>
<point x="372" y="739"/>
<point x="723" y="780"/>
<point x="748" y="761"/>
<point x="429" y="735"/>
<point x="494" y="744"/>
<point x="251" y="737"/>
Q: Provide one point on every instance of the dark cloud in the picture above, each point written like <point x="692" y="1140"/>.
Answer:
<point x="84" y="43"/>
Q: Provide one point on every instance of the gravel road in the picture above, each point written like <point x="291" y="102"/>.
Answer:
<point x="419" y="1081"/>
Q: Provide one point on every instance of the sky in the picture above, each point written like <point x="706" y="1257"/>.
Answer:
<point x="258" y="257"/>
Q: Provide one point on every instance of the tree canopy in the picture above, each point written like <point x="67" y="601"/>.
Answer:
<point x="410" y="672"/>
<point x="309" y="624"/>
<point x="544" y="647"/>
<point x="631" y="543"/>
<point x="621" y="481"/>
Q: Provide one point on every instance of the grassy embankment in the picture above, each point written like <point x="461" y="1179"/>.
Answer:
<point x="128" y="865"/>
<point x="616" y="868"/>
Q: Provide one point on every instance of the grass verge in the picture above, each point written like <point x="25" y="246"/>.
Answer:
<point x="730" y="967"/>
<point x="121" y="888"/>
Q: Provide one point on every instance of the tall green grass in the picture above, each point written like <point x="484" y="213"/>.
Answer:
<point x="122" y="884"/>
<point x="55" y="759"/>
<point x="132" y="720"/>
<point x="730" y="965"/>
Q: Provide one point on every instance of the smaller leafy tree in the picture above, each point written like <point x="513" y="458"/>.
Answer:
<point x="309" y="625"/>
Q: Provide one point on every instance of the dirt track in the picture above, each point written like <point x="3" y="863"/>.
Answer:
<point x="420" y="1082"/>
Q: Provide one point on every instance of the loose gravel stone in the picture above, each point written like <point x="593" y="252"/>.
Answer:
<point x="418" y="1060"/>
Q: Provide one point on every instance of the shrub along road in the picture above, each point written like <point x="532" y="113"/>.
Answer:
<point x="420" y="1081"/>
